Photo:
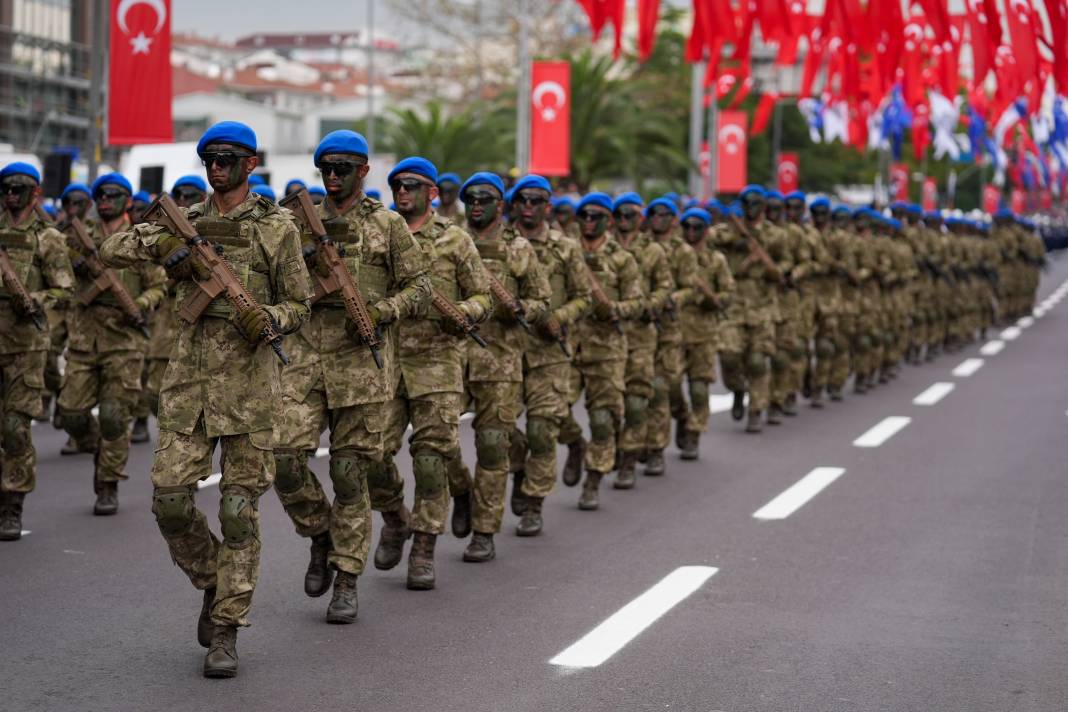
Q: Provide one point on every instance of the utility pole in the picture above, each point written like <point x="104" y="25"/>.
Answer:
<point x="96" y="87"/>
<point x="697" y="111"/>
<point x="522" y="97"/>
<point x="776" y="142"/>
<point x="371" y="75"/>
<point x="712" y="134"/>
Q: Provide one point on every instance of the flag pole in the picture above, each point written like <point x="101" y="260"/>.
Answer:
<point x="696" y="126"/>
<point x="522" y="98"/>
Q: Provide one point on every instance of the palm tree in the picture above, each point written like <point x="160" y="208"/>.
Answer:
<point x="463" y="141"/>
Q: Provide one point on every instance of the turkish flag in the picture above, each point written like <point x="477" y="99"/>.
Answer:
<point x="550" y="118"/>
<point x="139" y="71"/>
<point x="648" y="15"/>
<point x="930" y="194"/>
<point x="1018" y="201"/>
<point x="899" y="181"/>
<point x="732" y="152"/>
<point x="991" y="198"/>
<point x="789" y="172"/>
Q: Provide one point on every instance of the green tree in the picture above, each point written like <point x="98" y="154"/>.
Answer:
<point x="464" y="141"/>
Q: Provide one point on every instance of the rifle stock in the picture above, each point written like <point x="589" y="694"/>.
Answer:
<point x="105" y="279"/>
<point x="506" y="298"/>
<point x="597" y="292"/>
<point x="449" y="311"/>
<point x="755" y="247"/>
<point x="18" y="290"/>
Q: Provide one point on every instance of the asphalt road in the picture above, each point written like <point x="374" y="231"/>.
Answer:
<point x="932" y="574"/>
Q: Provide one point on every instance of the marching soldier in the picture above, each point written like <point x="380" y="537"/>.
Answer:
<point x="448" y="193"/>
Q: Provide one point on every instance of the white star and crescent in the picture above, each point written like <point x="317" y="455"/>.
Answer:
<point x="141" y="43"/>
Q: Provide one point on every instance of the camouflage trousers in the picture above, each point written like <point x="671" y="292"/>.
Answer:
<point x="151" y="382"/>
<point x="57" y="335"/>
<point x="826" y="343"/>
<point x="570" y="430"/>
<point x="546" y="394"/>
<point x="233" y="565"/>
<point x="744" y="359"/>
<point x="435" y="421"/>
<point x="603" y="384"/>
<point x="638" y="376"/>
<point x="789" y="349"/>
<point x="21" y="389"/>
<point x="699" y="366"/>
<point x="356" y="451"/>
<point x="842" y="361"/>
<point x="112" y="381"/>
<point x="803" y="363"/>
<point x="667" y="380"/>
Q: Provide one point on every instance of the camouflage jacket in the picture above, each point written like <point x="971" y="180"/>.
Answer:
<point x="657" y="287"/>
<point x="102" y="326"/>
<point x="214" y="373"/>
<point x="163" y="326"/>
<point x="617" y="272"/>
<point x="39" y="254"/>
<point x="511" y="259"/>
<point x="431" y="359"/>
<point x="560" y="260"/>
<point x="700" y="315"/>
<point x="571" y="230"/>
<point x="682" y="267"/>
<point x="756" y="297"/>
<point x="842" y="257"/>
<point x="455" y="217"/>
<point x="818" y="277"/>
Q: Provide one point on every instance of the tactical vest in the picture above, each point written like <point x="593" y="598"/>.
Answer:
<point x="494" y="254"/>
<point x="130" y="279"/>
<point x="551" y="257"/>
<point x="447" y="286"/>
<point x="22" y="247"/>
<point x="606" y="274"/>
<point x="372" y="279"/>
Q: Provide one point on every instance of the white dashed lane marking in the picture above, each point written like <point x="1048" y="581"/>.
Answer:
<point x="882" y="432"/>
<point x="1011" y="333"/>
<point x="967" y="367"/>
<point x="933" y="394"/>
<point x="798" y="494"/>
<point x="1025" y="322"/>
<point x="628" y="622"/>
<point x="992" y="348"/>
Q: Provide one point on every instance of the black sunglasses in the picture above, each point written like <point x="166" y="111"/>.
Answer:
<point x="410" y="185"/>
<point x="187" y="193"/>
<point x="660" y="212"/>
<point x="530" y="199"/>
<point x="223" y="159"/>
<point x="338" y="168"/>
<point x="590" y="216"/>
<point x="14" y="189"/>
<point x="104" y="194"/>
<point x="628" y="214"/>
<point x="693" y="226"/>
<point x="480" y="199"/>
<point x="71" y="202"/>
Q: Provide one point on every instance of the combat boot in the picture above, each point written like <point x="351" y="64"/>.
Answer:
<point x="816" y="399"/>
<point x="205" y="628"/>
<point x="70" y="447"/>
<point x="789" y="407"/>
<point x="738" y="407"/>
<point x="753" y="425"/>
<point x="319" y="576"/>
<point x="221" y="660"/>
<point x="391" y="542"/>
<point x="654" y="466"/>
<point x="461" y="515"/>
<point x="107" y="498"/>
<point x="775" y="414"/>
<point x="576" y="453"/>
<point x="480" y="549"/>
<point x="589" y="500"/>
<point x="46" y="408"/>
<point x="421" y="562"/>
<point x="530" y="524"/>
<point x="519" y="500"/>
<point x="139" y="434"/>
<point x="680" y="433"/>
<point x="344" y="604"/>
<point x="689" y="449"/>
<point x="625" y="475"/>
<point x="11" y="515"/>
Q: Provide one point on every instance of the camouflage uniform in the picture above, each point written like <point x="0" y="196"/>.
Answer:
<point x="332" y="382"/>
<point x="220" y="389"/>
<point x="162" y="328"/>
<point x="39" y="254"/>
<point x="938" y="333"/>
<point x="822" y="294"/>
<point x="843" y="258"/>
<point x="791" y="332"/>
<point x="495" y="374"/>
<point x="105" y="356"/>
<point x="903" y="276"/>
<point x="667" y="401"/>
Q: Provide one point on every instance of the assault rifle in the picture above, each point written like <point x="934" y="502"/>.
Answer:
<point x="599" y="297"/>
<point x="105" y="279"/>
<point x="221" y="279"/>
<point x="756" y="249"/>
<point x="27" y="304"/>
<point x="449" y="310"/>
<point x="339" y="278"/>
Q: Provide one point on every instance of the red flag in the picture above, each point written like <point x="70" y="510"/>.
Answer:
<point x="648" y="15"/>
<point x="615" y="11"/>
<point x="991" y="198"/>
<point x="1021" y="21"/>
<point x="912" y="59"/>
<point x="982" y="50"/>
<point x="921" y="129"/>
<point x="889" y="24"/>
<point x="763" y="112"/>
<point x="788" y="172"/>
<point x="139" y="71"/>
<point x="550" y="118"/>
<point x="929" y="199"/>
<point x="1057" y="10"/>
<point x="732" y="149"/>
<point x="899" y="181"/>
<point x="1018" y="201"/>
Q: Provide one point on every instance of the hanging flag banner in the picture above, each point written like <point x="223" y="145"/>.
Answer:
<point x="139" y="73"/>
<point x="550" y="118"/>
<point x="788" y="172"/>
<point x="899" y="181"/>
<point x="1018" y="201"/>
<point x="1045" y="199"/>
<point x="732" y="148"/>
<point x="991" y="198"/>
<point x="930" y="194"/>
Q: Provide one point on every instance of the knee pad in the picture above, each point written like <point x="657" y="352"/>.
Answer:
<point x="429" y="471"/>
<point x="699" y="395"/>
<point x="491" y="448"/>
<point x="757" y="364"/>
<point x="825" y="348"/>
<point x="112" y="420"/>
<point x="660" y="391"/>
<point x="377" y="474"/>
<point x="174" y="509"/>
<point x="235" y="515"/>
<point x="16" y="434"/>
<point x="540" y="437"/>
<point x="289" y="470"/>
<point x="602" y="425"/>
<point x="780" y="361"/>
<point x="77" y="423"/>
<point x="349" y="476"/>
<point x="634" y="410"/>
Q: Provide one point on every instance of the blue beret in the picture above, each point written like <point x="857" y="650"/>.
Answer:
<point x="193" y="181"/>
<point x="112" y="179"/>
<point x="533" y="181"/>
<point x="20" y="168"/>
<point x="699" y="213"/>
<point x="264" y="190"/>
<point x="75" y="188"/>
<point x="255" y="179"/>
<point x="672" y="196"/>
<point x="601" y="200"/>
<point x="417" y="165"/>
<point x="374" y="193"/>
<point x="665" y="202"/>
<point x="1005" y="213"/>
<point x="899" y="205"/>
<point x="563" y="200"/>
<point x="820" y="203"/>
<point x="894" y="223"/>
<point x="295" y="181"/>
<point x="692" y="203"/>
<point x="435" y="203"/>
<point x="508" y="195"/>
<point x="343" y="141"/>
<point x="914" y="209"/>
<point x="932" y="215"/>
<point x="143" y="196"/>
<point x="629" y="198"/>
<point x="51" y="210"/>
<point x="839" y="209"/>
<point x="483" y="178"/>
<point x="773" y="195"/>
<point x="233" y="132"/>
<point x="449" y="178"/>
<point x="736" y="211"/>
<point x="715" y="205"/>
<point x="317" y="190"/>
<point x="750" y="189"/>
<point x="795" y="195"/>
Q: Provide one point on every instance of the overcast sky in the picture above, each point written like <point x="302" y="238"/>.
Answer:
<point x="230" y="19"/>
